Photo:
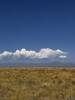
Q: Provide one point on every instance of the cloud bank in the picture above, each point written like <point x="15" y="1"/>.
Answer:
<point x="41" y="54"/>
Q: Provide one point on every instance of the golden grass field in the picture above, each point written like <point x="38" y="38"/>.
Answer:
<point x="37" y="84"/>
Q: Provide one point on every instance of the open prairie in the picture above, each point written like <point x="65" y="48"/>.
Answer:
<point x="37" y="84"/>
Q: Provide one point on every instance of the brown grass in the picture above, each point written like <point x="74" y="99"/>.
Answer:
<point x="37" y="84"/>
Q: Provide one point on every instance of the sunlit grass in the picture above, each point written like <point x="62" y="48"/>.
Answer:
<point x="37" y="84"/>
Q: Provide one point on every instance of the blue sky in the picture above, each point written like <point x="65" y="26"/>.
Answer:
<point x="36" y="24"/>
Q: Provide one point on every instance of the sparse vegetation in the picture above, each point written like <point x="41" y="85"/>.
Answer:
<point x="37" y="84"/>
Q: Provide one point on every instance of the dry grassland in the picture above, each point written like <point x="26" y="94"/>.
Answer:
<point x="37" y="84"/>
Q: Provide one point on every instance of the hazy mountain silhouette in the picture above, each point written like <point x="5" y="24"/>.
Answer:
<point x="37" y="64"/>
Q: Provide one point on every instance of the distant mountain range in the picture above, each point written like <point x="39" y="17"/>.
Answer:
<point x="39" y="64"/>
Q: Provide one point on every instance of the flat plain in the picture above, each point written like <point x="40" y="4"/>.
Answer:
<point x="37" y="83"/>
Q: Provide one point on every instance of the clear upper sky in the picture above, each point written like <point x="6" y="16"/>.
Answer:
<point x="35" y="24"/>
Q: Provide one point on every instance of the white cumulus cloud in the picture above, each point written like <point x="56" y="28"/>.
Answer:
<point x="62" y="56"/>
<point x="42" y="53"/>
